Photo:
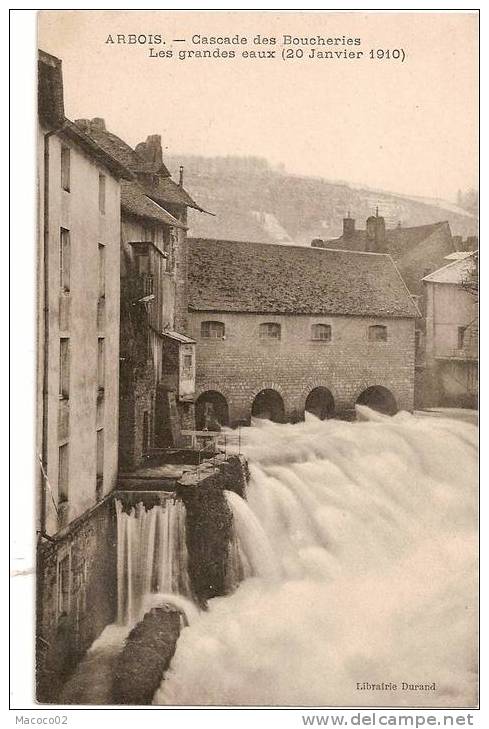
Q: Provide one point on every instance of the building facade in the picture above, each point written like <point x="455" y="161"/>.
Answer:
<point x="284" y="329"/>
<point x="157" y="358"/>
<point x="452" y="331"/>
<point x="79" y="283"/>
<point x="79" y="198"/>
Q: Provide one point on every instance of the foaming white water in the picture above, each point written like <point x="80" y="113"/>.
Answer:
<point x="151" y="572"/>
<point x="252" y="539"/>
<point x="189" y="610"/>
<point x="151" y="555"/>
<point x="373" y="526"/>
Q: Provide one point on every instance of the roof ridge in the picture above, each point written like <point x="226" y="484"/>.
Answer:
<point x="457" y="261"/>
<point x="190" y="239"/>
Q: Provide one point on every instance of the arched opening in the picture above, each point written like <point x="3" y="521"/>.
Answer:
<point x="320" y="402"/>
<point x="211" y="410"/>
<point x="269" y="405"/>
<point x="378" y="398"/>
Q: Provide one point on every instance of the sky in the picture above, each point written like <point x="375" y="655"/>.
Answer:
<point x="409" y="127"/>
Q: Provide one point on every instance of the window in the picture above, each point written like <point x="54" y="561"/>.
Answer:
<point x="321" y="332"/>
<point x="101" y="364"/>
<point x="63" y="473"/>
<point x="64" y="259"/>
<point x="270" y="330"/>
<point x="64" y="368"/>
<point x="65" y="168"/>
<point x="417" y="339"/>
<point x="142" y="263"/>
<point x="148" y="234"/>
<point x="461" y="337"/>
<point x="101" y="193"/>
<point x="101" y="271"/>
<point x="212" y="330"/>
<point x="100" y="464"/>
<point x="377" y="333"/>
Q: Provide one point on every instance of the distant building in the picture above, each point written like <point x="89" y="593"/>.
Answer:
<point x="78" y="342"/>
<point x="416" y="251"/>
<point x="284" y="329"/>
<point x="157" y="367"/>
<point x="452" y="333"/>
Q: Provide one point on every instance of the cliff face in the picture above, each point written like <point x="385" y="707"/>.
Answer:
<point x="253" y="201"/>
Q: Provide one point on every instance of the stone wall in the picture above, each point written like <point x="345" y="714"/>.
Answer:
<point x="209" y="526"/>
<point x="241" y="365"/>
<point x="76" y="595"/>
<point x="137" y="397"/>
<point x="146" y="656"/>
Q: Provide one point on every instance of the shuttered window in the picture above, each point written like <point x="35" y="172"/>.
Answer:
<point x="65" y="168"/>
<point x="63" y="472"/>
<point x="64" y="259"/>
<point x="101" y="270"/>
<point x="64" y="367"/>
<point x="101" y="193"/>
<point x="101" y="363"/>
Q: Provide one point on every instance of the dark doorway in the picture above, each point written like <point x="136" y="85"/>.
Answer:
<point x="268" y="405"/>
<point x="320" y="402"/>
<point x="380" y="399"/>
<point x="211" y="410"/>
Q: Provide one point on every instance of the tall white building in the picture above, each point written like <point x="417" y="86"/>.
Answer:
<point x="78" y="331"/>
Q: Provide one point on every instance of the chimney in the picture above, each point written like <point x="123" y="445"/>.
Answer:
<point x="98" y="124"/>
<point x="88" y="125"/>
<point x="180" y="179"/>
<point x="151" y="151"/>
<point x="348" y="227"/>
<point x="375" y="233"/>
<point x="84" y="124"/>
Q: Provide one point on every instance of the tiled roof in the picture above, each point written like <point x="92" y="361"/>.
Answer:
<point x="182" y="338"/>
<point x="256" y="277"/>
<point x="163" y="191"/>
<point x="135" y="201"/>
<point x="168" y="191"/>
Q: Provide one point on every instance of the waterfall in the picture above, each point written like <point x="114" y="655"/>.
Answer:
<point x="151" y="556"/>
<point x="359" y="548"/>
<point x="151" y="571"/>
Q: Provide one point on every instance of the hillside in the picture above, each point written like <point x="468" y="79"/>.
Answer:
<point x="253" y="201"/>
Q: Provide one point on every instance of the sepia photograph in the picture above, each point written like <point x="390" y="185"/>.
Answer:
<point x="256" y="466"/>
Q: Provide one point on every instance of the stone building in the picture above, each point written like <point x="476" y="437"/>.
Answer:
<point x="79" y="190"/>
<point x="157" y="368"/>
<point x="452" y="333"/>
<point x="283" y="329"/>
